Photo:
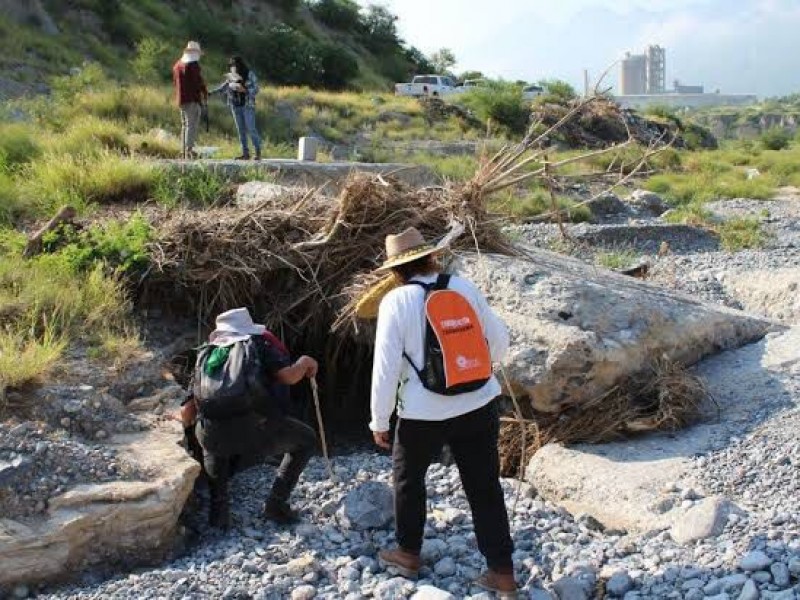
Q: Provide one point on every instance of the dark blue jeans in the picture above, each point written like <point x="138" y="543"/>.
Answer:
<point x="245" y="118"/>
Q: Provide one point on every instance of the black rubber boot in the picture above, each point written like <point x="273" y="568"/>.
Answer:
<point x="280" y="512"/>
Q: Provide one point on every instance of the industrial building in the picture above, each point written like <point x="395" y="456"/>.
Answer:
<point x="644" y="73"/>
<point x="643" y="80"/>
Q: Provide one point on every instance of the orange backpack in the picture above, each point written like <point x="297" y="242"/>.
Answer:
<point x="457" y="358"/>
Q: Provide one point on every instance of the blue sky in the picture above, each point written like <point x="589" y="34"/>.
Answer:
<point x="736" y="46"/>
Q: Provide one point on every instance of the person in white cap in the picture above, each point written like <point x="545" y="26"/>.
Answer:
<point x="230" y="444"/>
<point x="452" y="404"/>
<point x="191" y="93"/>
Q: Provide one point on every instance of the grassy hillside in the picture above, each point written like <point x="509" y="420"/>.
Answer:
<point x="321" y="43"/>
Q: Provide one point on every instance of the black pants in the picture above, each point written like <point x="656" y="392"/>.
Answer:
<point x="290" y="437"/>
<point x="472" y="439"/>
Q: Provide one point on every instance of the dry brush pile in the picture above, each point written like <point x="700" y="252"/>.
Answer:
<point x="663" y="397"/>
<point x="302" y="262"/>
<point x="603" y="123"/>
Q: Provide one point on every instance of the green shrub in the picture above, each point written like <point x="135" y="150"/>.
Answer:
<point x="337" y="14"/>
<point x="740" y="234"/>
<point x="776" y="138"/>
<point x="90" y="77"/>
<point x="556" y="92"/>
<point x="283" y="55"/>
<point x="287" y="5"/>
<point x="379" y="29"/>
<point x="502" y="103"/>
<point x="119" y="245"/>
<point x="151" y="62"/>
<point x="17" y="145"/>
<point x="210" y="29"/>
<point x="338" y="66"/>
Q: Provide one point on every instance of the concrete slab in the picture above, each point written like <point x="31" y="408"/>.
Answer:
<point x="309" y="174"/>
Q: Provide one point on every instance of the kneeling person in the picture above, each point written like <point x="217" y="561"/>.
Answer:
<point x="238" y="430"/>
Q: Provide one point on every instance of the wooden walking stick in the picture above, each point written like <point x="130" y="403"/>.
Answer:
<point x="324" y="443"/>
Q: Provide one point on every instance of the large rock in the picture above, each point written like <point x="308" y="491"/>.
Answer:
<point x="608" y="205"/>
<point x="577" y="330"/>
<point x="368" y="506"/>
<point x="131" y="521"/>
<point x="254" y="193"/>
<point x="704" y="520"/>
<point x="648" y="202"/>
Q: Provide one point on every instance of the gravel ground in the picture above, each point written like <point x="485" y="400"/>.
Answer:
<point x="555" y="553"/>
<point x="38" y="462"/>
<point x="693" y="262"/>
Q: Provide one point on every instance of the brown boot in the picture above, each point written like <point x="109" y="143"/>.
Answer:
<point x="405" y="563"/>
<point x="502" y="584"/>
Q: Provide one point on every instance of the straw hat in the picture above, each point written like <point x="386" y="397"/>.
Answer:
<point x="406" y="247"/>
<point x="235" y="326"/>
<point x="192" y="52"/>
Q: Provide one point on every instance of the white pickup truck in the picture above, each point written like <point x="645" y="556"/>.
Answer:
<point x="426" y="85"/>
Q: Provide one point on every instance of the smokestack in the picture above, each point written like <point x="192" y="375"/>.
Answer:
<point x="586" y="83"/>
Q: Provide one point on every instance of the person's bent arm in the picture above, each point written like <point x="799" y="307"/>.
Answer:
<point x="222" y="88"/>
<point x="305" y="366"/>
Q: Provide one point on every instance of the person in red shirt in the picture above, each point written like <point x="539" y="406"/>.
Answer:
<point x="190" y="95"/>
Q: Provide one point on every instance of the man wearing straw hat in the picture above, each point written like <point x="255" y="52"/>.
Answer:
<point x="240" y="441"/>
<point x="190" y="94"/>
<point x="467" y="422"/>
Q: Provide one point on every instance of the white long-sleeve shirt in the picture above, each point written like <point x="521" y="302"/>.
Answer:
<point x="401" y="327"/>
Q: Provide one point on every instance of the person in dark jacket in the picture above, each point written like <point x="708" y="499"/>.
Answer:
<point x="231" y="444"/>
<point x="190" y="95"/>
<point x="240" y="88"/>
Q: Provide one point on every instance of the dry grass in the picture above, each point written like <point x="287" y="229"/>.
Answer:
<point x="664" y="397"/>
<point x="25" y="359"/>
<point x="302" y="252"/>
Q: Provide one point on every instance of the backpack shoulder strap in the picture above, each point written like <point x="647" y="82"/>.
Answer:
<point x="425" y="286"/>
<point x="442" y="282"/>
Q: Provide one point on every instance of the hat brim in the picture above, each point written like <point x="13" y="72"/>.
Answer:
<point x="410" y="257"/>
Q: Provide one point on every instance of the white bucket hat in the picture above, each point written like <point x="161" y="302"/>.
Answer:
<point x="192" y="52"/>
<point x="234" y="326"/>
